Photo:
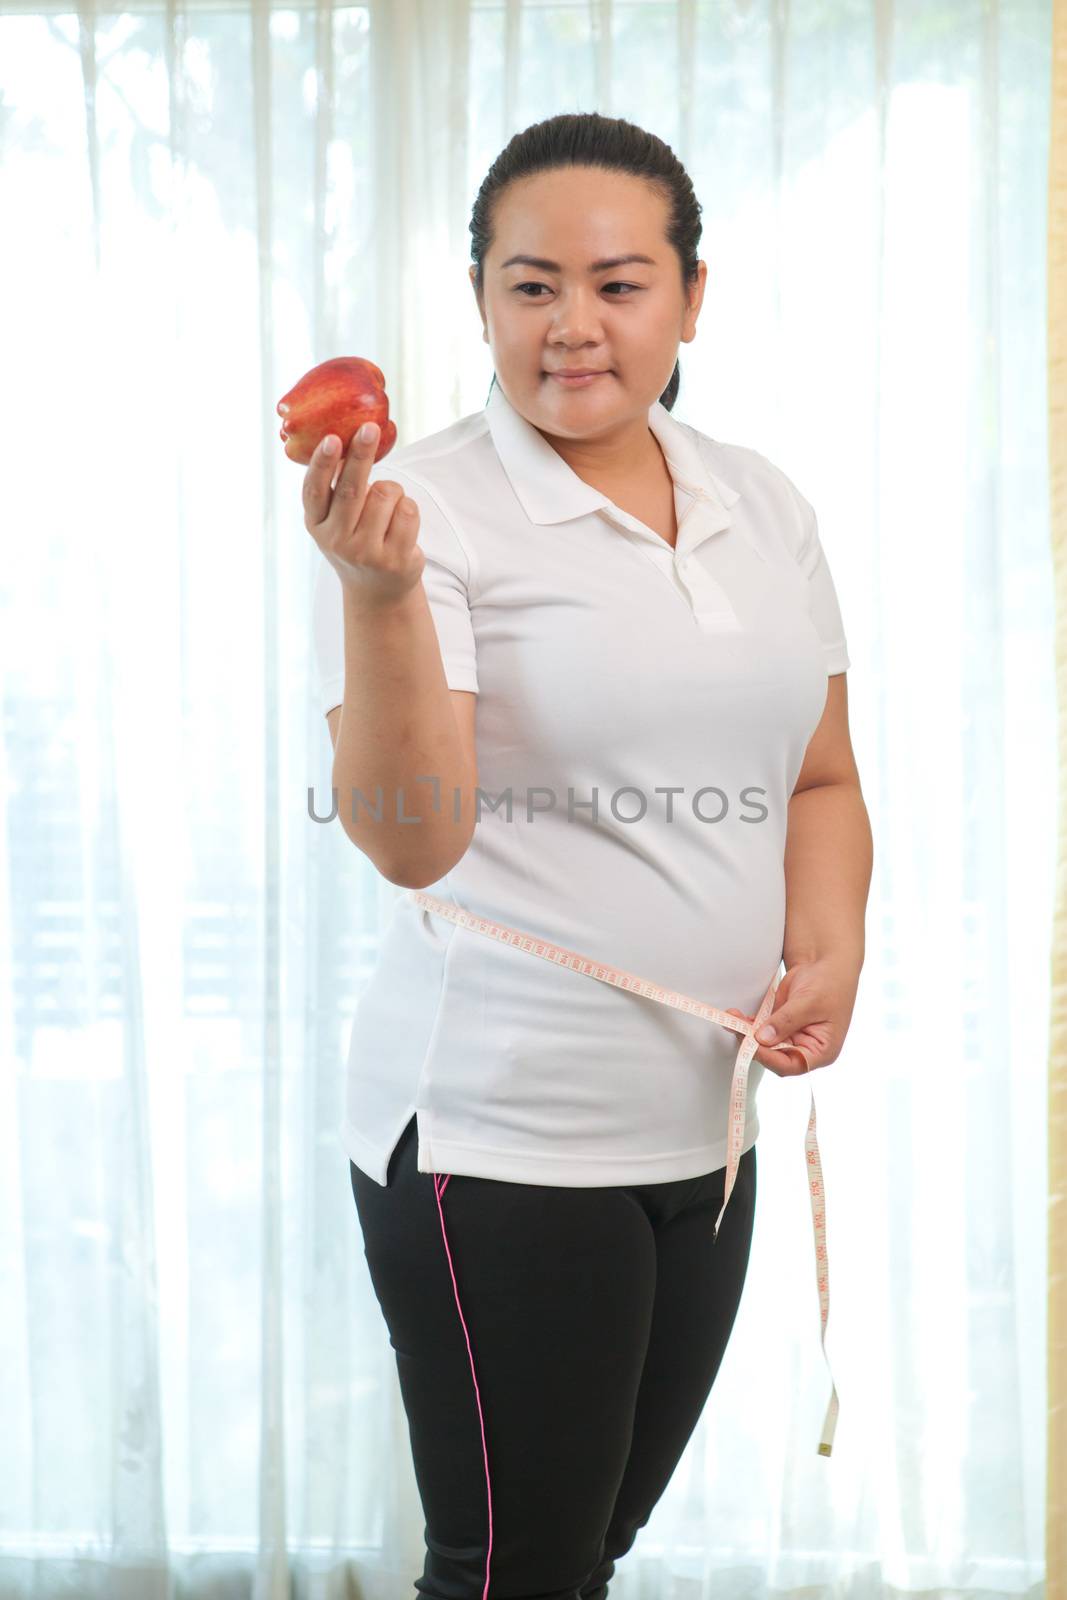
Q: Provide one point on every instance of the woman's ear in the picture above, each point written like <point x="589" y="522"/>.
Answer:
<point x="481" y="309"/>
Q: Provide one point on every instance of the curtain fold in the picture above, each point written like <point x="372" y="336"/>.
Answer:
<point x="1056" y="1492"/>
<point x="202" y="199"/>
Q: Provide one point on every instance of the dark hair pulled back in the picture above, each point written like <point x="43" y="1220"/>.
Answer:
<point x="587" y="139"/>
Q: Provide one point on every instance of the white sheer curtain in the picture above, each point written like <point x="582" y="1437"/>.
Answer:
<point x="199" y="201"/>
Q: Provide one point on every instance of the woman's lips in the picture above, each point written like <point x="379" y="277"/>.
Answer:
<point x="576" y="383"/>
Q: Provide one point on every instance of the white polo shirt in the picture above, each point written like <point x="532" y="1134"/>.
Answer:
<point x="642" y="716"/>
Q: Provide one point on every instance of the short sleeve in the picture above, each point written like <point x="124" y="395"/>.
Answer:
<point x="800" y="529"/>
<point x="445" y="578"/>
<point x="328" y="636"/>
<point x="822" y="596"/>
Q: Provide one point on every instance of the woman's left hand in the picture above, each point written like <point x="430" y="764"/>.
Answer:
<point x="812" y="1010"/>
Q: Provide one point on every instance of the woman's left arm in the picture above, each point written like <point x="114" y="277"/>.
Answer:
<point x="828" y="861"/>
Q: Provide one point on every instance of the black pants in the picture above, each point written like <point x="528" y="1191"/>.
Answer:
<point x="555" y="1347"/>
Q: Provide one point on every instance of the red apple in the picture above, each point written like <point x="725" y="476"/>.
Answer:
<point x="335" y="397"/>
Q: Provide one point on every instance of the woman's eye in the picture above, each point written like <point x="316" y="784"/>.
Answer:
<point x="519" y="287"/>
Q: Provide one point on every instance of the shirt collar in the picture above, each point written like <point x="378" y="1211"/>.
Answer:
<point x="550" y="491"/>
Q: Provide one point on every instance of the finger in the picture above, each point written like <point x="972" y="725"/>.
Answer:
<point x="785" y="1060"/>
<point x="372" y="526"/>
<point x="317" y="480"/>
<point x="778" y="1064"/>
<point x="783" y="1023"/>
<point x="790" y="1061"/>
<point x="351" y="491"/>
<point x="774" y="1061"/>
<point x="403" y="530"/>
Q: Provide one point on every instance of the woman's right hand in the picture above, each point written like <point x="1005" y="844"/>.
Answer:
<point x="369" y="536"/>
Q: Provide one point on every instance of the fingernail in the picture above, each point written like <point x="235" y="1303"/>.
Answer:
<point x="765" y="1034"/>
<point x="330" y="444"/>
<point x="368" y="432"/>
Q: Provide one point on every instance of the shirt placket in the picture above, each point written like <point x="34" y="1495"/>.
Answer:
<point x="708" y="601"/>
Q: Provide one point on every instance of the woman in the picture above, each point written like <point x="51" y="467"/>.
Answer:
<point x="646" y="623"/>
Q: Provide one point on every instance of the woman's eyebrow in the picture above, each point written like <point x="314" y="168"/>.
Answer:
<point x="554" y="266"/>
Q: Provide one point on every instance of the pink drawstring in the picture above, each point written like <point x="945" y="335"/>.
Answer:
<point x="439" y="1189"/>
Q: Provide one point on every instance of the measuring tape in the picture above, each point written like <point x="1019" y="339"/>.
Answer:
<point x="738" y="1087"/>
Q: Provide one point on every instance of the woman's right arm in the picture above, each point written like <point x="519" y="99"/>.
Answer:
<point x="398" y="727"/>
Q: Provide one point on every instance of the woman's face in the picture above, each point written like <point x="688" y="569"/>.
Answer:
<point x="624" y="321"/>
